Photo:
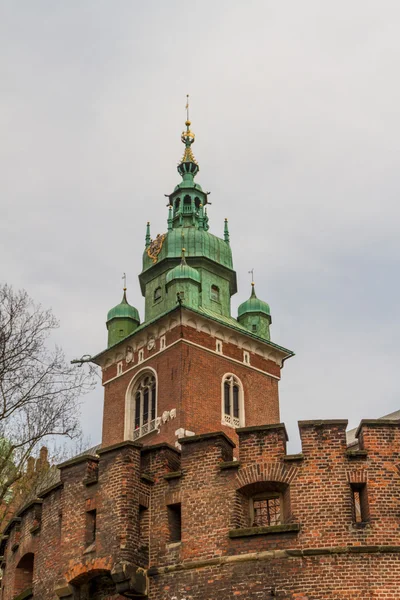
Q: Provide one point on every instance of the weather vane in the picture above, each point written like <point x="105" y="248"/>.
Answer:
<point x="252" y="275"/>
<point x="124" y="278"/>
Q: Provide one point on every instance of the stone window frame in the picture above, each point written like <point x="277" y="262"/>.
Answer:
<point x="246" y="357"/>
<point x="229" y="419"/>
<point x="163" y="342"/>
<point x="218" y="346"/>
<point x="119" y="367"/>
<point x="141" y="355"/>
<point x="130" y="406"/>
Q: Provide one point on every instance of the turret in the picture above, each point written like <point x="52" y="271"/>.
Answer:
<point x="254" y="314"/>
<point x="122" y="320"/>
<point x="183" y="284"/>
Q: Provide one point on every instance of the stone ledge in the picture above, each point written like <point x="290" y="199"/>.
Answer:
<point x="88" y="481"/>
<point x="120" y="446"/>
<point x="173" y="475"/>
<point x="267" y="427"/>
<point x="271" y="530"/>
<point x="324" y="423"/>
<point x="376" y="423"/>
<point x="161" y="446"/>
<point x="293" y="457"/>
<point x="28" y="593"/>
<point x="356" y="453"/>
<point x="204" y="437"/>
<point x="29" y="505"/>
<point x="231" y="464"/>
<point x="35" y="529"/>
<point x="272" y="555"/>
<point x="146" y="477"/>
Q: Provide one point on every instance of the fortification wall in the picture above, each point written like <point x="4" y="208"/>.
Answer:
<point x="183" y="525"/>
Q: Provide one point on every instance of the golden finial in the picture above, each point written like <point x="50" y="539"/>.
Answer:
<point x="187" y="110"/>
<point x="124" y="278"/>
<point x="252" y="276"/>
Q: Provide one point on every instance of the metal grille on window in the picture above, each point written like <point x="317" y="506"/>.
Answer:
<point x="145" y="406"/>
<point x="267" y="512"/>
<point x="231" y="402"/>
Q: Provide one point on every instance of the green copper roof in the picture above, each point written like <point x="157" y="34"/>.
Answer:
<point x="123" y="311"/>
<point x="183" y="271"/>
<point x="198" y="243"/>
<point x="254" y="305"/>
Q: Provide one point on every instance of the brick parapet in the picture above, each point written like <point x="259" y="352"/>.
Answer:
<point x="132" y="513"/>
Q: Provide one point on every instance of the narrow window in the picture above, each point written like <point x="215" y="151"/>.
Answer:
<point x="360" y="503"/>
<point x="157" y="294"/>
<point x="219" y="346"/>
<point x="215" y="293"/>
<point x="246" y="358"/>
<point x="119" y="368"/>
<point x="145" y="396"/>
<point x="144" y="530"/>
<point x="121" y="333"/>
<point x="197" y="203"/>
<point x="162" y="343"/>
<point x="254" y="328"/>
<point x="141" y="355"/>
<point x="232" y="402"/>
<point x="90" y="527"/>
<point x="266" y="510"/>
<point x="177" y="204"/>
<point x="174" y="522"/>
<point x="187" y="204"/>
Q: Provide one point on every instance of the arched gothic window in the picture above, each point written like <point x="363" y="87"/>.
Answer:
<point x="145" y="405"/>
<point x="233" y="409"/>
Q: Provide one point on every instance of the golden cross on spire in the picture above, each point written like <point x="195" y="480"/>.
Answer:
<point x="124" y="278"/>
<point x="252" y="276"/>
<point x="187" y="107"/>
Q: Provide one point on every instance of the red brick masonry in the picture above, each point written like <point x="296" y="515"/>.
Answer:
<point x="318" y="552"/>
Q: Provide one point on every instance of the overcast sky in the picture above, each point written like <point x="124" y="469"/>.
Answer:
<point x="295" y="106"/>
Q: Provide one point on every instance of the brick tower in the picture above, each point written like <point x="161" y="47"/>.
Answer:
<point x="190" y="367"/>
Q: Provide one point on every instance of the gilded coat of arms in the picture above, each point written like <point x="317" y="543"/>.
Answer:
<point x="155" y="247"/>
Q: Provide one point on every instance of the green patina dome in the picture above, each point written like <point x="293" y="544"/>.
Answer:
<point x="123" y="311"/>
<point x="254" y="305"/>
<point x="183" y="271"/>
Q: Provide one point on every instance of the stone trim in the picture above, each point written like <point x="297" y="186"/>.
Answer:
<point x="119" y="446"/>
<point x="376" y="423"/>
<point x="268" y="427"/>
<point x="324" y="423"/>
<point x="231" y="464"/>
<point x="356" y="453"/>
<point x="173" y="475"/>
<point x="29" y="505"/>
<point x="271" y="530"/>
<point x="204" y="437"/>
<point x="272" y="555"/>
<point x="162" y="446"/>
<point x="293" y="457"/>
<point x="28" y="593"/>
<point x="78" y="459"/>
<point x="50" y="489"/>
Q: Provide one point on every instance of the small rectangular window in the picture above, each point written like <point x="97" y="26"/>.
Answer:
<point x="215" y="293"/>
<point x="360" y="503"/>
<point x="157" y="294"/>
<point x="174" y="522"/>
<point x="254" y="328"/>
<point x="266" y="511"/>
<point x="90" y="527"/>
<point x="162" y="343"/>
<point x="141" y="355"/>
<point x="246" y="358"/>
<point x="119" y="368"/>
<point x="219" y="346"/>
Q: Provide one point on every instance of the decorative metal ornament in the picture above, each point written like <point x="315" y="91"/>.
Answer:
<point x="155" y="247"/>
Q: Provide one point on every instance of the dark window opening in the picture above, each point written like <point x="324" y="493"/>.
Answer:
<point x="267" y="511"/>
<point x="215" y="293"/>
<point x="174" y="523"/>
<point x="235" y="401"/>
<point x="227" y="400"/>
<point x="254" y="328"/>
<point x="90" y="527"/>
<point x="157" y="294"/>
<point x="177" y="203"/>
<point x="197" y="202"/>
<point x="187" y="200"/>
<point x="360" y="503"/>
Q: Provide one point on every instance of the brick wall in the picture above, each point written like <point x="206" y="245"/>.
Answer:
<point x="317" y="551"/>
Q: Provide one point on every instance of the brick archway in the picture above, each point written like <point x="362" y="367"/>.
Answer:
<point x="263" y="472"/>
